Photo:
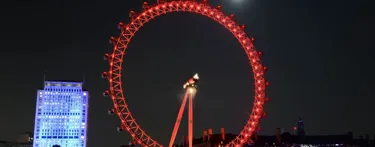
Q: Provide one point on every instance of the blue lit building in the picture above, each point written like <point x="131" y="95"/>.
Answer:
<point x="61" y="115"/>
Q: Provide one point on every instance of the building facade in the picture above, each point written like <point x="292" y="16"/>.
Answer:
<point x="61" y="115"/>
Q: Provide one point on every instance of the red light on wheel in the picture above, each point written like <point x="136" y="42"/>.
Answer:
<point x="231" y="16"/>
<point x="264" y="115"/>
<point x="267" y="83"/>
<point x="243" y="27"/>
<point x="252" y="39"/>
<point x="104" y="75"/>
<point x="107" y="57"/>
<point x="113" y="40"/>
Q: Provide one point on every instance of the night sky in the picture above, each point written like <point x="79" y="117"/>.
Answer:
<point x="320" y="56"/>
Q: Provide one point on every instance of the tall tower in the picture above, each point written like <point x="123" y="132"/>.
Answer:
<point x="301" y="130"/>
<point x="61" y="115"/>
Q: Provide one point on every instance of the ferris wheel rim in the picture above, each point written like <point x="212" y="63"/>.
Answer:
<point x="128" y="122"/>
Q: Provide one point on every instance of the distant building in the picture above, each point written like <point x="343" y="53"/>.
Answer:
<point x="25" y="137"/>
<point x="24" y="140"/>
<point x="284" y="139"/>
<point x="287" y="140"/>
<point x="61" y="115"/>
<point x="301" y="130"/>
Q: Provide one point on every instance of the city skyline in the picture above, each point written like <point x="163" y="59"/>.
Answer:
<point x="319" y="55"/>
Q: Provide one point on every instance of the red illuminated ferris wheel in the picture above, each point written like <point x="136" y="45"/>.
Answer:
<point x="149" y="12"/>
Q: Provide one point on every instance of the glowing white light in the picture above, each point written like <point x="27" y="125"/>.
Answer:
<point x="196" y="76"/>
<point x="191" y="90"/>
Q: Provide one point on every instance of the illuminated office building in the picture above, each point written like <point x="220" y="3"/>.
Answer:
<point x="61" y="115"/>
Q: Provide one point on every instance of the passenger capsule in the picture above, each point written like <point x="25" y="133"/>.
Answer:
<point x="104" y="75"/>
<point x="111" y="111"/>
<point x="106" y="93"/>
<point x="119" y="129"/>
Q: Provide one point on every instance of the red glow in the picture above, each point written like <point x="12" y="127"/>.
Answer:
<point x="107" y="57"/>
<point x="243" y="27"/>
<point x="191" y="81"/>
<point x="190" y="125"/>
<point x="150" y="12"/>
<point x="121" y="26"/>
<point x="231" y="16"/>
<point x="113" y="40"/>
<point x="252" y="39"/>
<point x="178" y="121"/>
<point x="264" y="115"/>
